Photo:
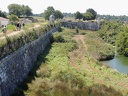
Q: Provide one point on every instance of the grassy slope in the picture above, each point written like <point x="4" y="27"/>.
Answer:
<point x="66" y="71"/>
<point x="98" y="73"/>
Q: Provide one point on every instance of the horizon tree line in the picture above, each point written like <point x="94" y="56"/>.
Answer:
<point x="90" y="14"/>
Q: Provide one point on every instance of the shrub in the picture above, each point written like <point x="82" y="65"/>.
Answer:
<point x="58" y="37"/>
<point x="77" y="30"/>
<point x="11" y="27"/>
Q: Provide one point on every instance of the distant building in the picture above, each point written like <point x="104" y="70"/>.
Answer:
<point x="4" y="21"/>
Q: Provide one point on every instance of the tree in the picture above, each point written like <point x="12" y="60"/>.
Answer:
<point x="26" y="10"/>
<point x="2" y="14"/>
<point x="13" y="18"/>
<point x="87" y="16"/>
<point x="122" y="43"/>
<point x="78" y="15"/>
<point x="90" y="14"/>
<point x="19" y="10"/>
<point x="58" y="14"/>
<point x="50" y="11"/>
<point x="15" y="9"/>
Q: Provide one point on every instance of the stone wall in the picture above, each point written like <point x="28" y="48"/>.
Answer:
<point x="90" y="25"/>
<point x="15" y="67"/>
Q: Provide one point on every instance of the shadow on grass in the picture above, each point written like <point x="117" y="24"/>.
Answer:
<point x="19" y="91"/>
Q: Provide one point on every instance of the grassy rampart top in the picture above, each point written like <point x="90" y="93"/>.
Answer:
<point x="12" y="43"/>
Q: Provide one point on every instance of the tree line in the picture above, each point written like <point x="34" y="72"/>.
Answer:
<point x="2" y="14"/>
<point x="25" y="10"/>
<point x="121" y="18"/>
<point x="19" y="10"/>
<point x="16" y="11"/>
<point x="90" y="14"/>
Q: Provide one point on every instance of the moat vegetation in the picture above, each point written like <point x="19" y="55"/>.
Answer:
<point x="71" y="67"/>
<point x="115" y="33"/>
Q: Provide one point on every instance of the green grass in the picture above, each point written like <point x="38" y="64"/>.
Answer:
<point x="11" y="27"/>
<point x="57" y="77"/>
<point x="39" y="18"/>
<point x="98" y="48"/>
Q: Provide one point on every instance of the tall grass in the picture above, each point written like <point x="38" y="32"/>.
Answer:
<point x="56" y="77"/>
<point x="98" y="48"/>
<point x="11" y="27"/>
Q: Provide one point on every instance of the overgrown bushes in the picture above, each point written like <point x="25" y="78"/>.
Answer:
<point x="56" y="77"/>
<point x="97" y="48"/>
<point x="109" y="31"/>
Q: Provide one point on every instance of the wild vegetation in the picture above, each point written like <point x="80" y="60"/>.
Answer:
<point x="19" y="10"/>
<point x="109" y="31"/>
<point x="67" y="68"/>
<point x="116" y="34"/>
<point x="121" y="18"/>
<point x="2" y="14"/>
<point x="90" y="14"/>
<point x="99" y="49"/>
<point x="70" y="66"/>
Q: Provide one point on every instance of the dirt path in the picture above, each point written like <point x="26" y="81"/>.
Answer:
<point x="82" y="48"/>
<point x="79" y="60"/>
<point x="17" y="32"/>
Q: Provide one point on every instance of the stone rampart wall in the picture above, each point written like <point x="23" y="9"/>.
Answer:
<point x="90" y="25"/>
<point x="15" y="67"/>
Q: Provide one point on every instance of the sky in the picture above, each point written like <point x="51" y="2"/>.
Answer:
<point x="102" y="7"/>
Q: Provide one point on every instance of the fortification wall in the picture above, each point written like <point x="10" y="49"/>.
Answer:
<point x="15" y="67"/>
<point x="90" y="25"/>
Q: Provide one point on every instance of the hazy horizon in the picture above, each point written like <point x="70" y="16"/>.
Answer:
<point x="102" y="7"/>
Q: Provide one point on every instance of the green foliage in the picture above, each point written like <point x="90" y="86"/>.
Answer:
<point x="90" y="14"/>
<point x="56" y="77"/>
<point x="13" y="18"/>
<point x="122" y="43"/>
<point x="11" y="27"/>
<point x="19" y="10"/>
<point x="126" y="51"/>
<point x="116" y="34"/>
<point x="122" y="18"/>
<point x="77" y="30"/>
<point x="51" y="11"/>
<point x="93" y="12"/>
<point x="58" y="37"/>
<point x="97" y="48"/>
<point x="2" y="14"/>
<point x="109" y="31"/>
<point x="78" y="15"/>
<point x="58" y="14"/>
<point x="26" y="10"/>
